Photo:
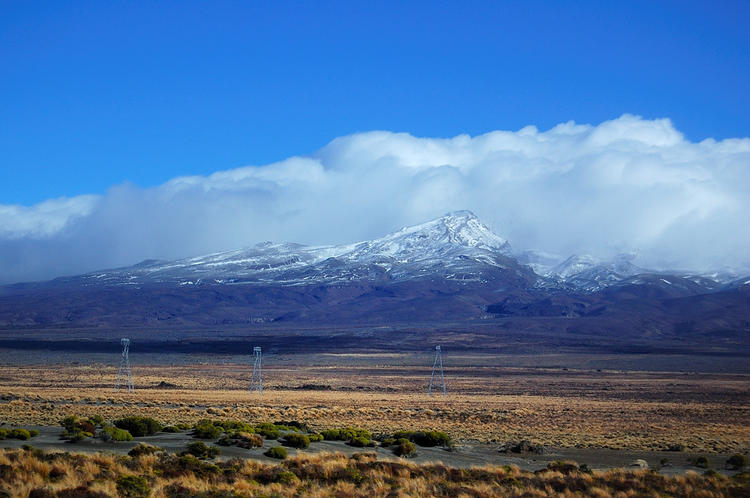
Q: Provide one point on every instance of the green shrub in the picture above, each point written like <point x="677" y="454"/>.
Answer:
<point x="296" y="441"/>
<point x="205" y="429"/>
<point x="112" y="433"/>
<point x="277" y="452"/>
<point x="315" y="438"/>
<point x="3" y="433"/>
<point x="170" y="429"/>
<point x="268" y="431"/>
<point x="184" y="427"/>
<point x="22" y="434"/>
<point x="700" y="462"/>
<point x="241" y="439"/>
<point x="97" y="420"/>
<point x="345" y="434"/>
<point x="360" y="442"/>
<point x="738" y="461"/>
<point x="139" y="426"/>
<point x="425" y="438"/>
<point x="135" y="486"/>
<point x="292" y="425"/>
<point x="286" y="477"/>
<point x="202" y="450"/>
<point x="144" y="449"/>
<point x="404" y="448"/>
<point x="76" y="429"/>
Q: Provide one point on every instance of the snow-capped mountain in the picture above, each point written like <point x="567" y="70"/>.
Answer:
<point x="590" y="274"/>
<point x="456" y="246"/>
<point x="448" y="270"/>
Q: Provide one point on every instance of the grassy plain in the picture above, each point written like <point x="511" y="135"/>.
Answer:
<point x="40" y="474"/>
<point x="552" y="406"/>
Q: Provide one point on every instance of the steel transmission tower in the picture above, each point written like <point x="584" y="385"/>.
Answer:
<point x="256" y="381"/>
<point x="437" y="365"/>
<point x="123" y="374"/>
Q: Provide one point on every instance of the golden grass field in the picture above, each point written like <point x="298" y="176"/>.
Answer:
<point x="383" y="393"/>
<point x="39" y="474"/>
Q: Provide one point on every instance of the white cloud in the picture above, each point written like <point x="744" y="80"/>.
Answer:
<point x="626" y="185"/>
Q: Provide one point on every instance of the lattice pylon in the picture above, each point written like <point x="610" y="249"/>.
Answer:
<point x="437" y="366"/>
<point x="256" y="381"/>
<point x="124" y="376"/>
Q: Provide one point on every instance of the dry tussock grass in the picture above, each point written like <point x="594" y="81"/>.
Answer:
<point x="646" y="411"/>
<point x="336" y="475"/>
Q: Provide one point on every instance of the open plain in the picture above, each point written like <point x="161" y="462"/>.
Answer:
<point x="552" y="405"/>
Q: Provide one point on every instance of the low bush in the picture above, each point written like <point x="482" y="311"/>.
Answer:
<point x="700" y="462"/>
<point x="22" y="434"/>
<point x="315" y="438"/>
<point x="97" y="420"/>
<point x="563" y="467"/>
<point x="144" y="449"/>
<point x="296" y="441"/>
<point x="277" y="452"/>
<point x="77" y="429"/>
<point x="241" y="439"/>
<point x="286" y="477"/>
<point x="361" y="442"/>
<point x="738" y="461"/>
<point x="425" y="438"/>
<point x="205" y="429"/>
<point x="202" y="450"/>
<point x="345" y="434"/>
<point x="170" y="429"/>
<point x="139" y="426"/>
<point x="112" y="433"/>
<point x="292" y="425"/>
<point x="133" y="486"/>
<point x="268" y="431"/>
<point x="404" y="448"/>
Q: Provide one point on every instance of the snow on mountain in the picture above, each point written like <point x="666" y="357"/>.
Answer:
<point x="455" y="246"/>
<point x="587" y="273"/>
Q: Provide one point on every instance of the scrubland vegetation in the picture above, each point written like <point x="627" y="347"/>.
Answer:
<point x="39" y="474"/>
<point x="632" y="410"/>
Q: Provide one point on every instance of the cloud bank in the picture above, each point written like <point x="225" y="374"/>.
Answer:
<point x="626" y="185"/>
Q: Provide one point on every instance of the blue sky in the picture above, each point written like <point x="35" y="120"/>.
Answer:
<point x="94" y="94"/>
<point x="140" y="130"/>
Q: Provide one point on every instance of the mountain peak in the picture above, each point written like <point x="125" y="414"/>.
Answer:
<point x="457" y="228"/>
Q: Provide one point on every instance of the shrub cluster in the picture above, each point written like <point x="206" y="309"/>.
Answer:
<point x="77" y="429"/>
<point x="202" y="450"/>
<point x="205" y="429"/>
<point x="241" y="439"/>
<point x="112" y="433"/>
<point x="144" y="449"/>
<point x="291" y="425"/>
<point x="404" y="448"/>
<point x="133" y="486"/>
<point x="700" y="462"/>
<point x="359" y="438"/>
<point x="277" y="452"/>
<point x="139" y="426"/>
<point x="425" y="438"/>
<point x="268" y="430"/>
<point x="738" y="461"/>
<point x="18" y="433"/>
<point x="296" y="441"/>
<point x="336" y="475"/>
